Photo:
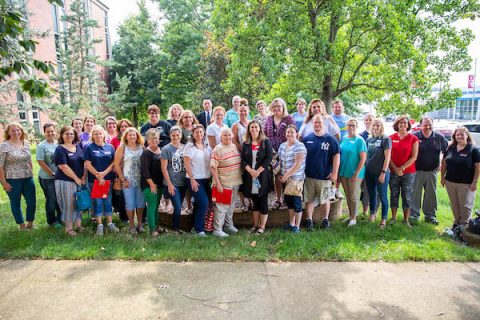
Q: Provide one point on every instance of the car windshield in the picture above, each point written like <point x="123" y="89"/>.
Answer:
<point x="473" y="127"/>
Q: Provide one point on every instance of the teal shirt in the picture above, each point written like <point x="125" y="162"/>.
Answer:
<point x="231" y="117"/>
<point x="45" y="153"/>
<point x="350" y="156"/>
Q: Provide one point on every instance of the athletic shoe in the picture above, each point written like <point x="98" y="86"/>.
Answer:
<point x="231" y="230"/>
<point x="220" y="234"/>
<point x="295" y="229"/>
<point x="113" y="228"/>
<point x="309" y="224"/>
<point x="100" y="230"/>
<point x="352" y="222"/>
<point x="325" y="224"/>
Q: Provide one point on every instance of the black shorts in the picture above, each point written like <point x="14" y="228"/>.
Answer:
<point x="260" y="203"/>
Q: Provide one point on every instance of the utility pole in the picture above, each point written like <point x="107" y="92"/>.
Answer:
<point x="474" y="88"/>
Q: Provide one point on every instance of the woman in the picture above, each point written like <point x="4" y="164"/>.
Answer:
<point x="127" y="166"/>
<point x="262" y="114"/>
<point x="460" y="173"/>
<point x="173" y="171"/>
<point x="354" y="153"/>
<point x="275" y="129"/>
<point x="99" y="157"/>
<point x="226" y="171"/>
<point x="186" y="123"/>
<point x="69" y="178"/>
<point x="377" y="176"/>
<point x="315" y="107"/>
<point x="300" y="115"/>
<point x="292" y="154"/>
<point x="364" y="197"/>
<point x="214" y="130"/>
<point x="16" y="175"/>
<point x="174" y="114"/>
<point x="122" y="125"/>
<point x="85" y="136"/>
<point x="151" y="180"/>
<point x="46" y="174"/>
<point x="118" y="200"/>
<point x="402" y="167"/>
<point x="197" y="164"/>
<point x="256" y="156"/>
<point x="239" y="128"/>
<point x="77" y="124"/>
<point x="111" y="128"/>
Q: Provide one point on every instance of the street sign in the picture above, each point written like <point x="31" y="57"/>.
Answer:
<point x="471" y="81"/>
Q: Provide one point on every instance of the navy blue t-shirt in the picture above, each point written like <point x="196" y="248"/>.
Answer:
<point x="461" y="164"/>
<point x="100" y="157"/>
<point x="72" y="159"/>
<point x="320" y="152"/>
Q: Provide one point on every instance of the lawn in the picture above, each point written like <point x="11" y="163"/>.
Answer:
<point x="364" y="242"/>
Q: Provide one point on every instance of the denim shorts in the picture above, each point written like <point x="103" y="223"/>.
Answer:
<point x="133" y="198"/>
<point x="293" y="202"/>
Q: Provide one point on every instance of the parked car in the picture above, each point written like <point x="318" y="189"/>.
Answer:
<point x="444" y="130"/>
<point x="474" y="129"/>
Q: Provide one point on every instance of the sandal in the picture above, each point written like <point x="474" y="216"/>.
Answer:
<point x="133" y="230"/>
<point x="253" y="229"/>
<point x="161" y="229"/>
<point x="155" y="233"/>
<point x="71" y="233"/>
<point x="382" y="225"/>
<point x="277" y="205"/>
<point x="260" y="231"/>
<point x="80" y="229"/>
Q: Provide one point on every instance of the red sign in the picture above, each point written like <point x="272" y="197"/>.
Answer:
<point x="471" y="80"/>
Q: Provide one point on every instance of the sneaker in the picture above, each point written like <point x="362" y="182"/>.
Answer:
<point x="231" y="230"/>
<point x="113" y="228"/>
<point x="58" y="225"/>
<point x="338" y="194"/>
<point x="201" y="234"/>
<point x="352" y="222"/>
<point x="433" y="221"/>
<point x="155" y="233"/>
<point x="295" y="229"/>
<point x="325" y="224"/>
<point x="288" y="227"/>
<point x="140" y="229"/>
<point x="220" y="234"/>
<point x="133" y="230"/>
<point x="413" y="220"/>
<point x="407" y="223"/>
<point x="309" y="224"/>
<point x="100" y="230"/>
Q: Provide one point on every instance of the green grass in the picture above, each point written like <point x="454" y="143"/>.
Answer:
<point x="364" y="242"/>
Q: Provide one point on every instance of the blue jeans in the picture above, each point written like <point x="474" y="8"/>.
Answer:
<point x="177" y="201"/>
<point x="404" y="185"/>
<point x="375" y="187"/>
<point x="51" y="205"/>
<point x="200" y="206"/>
<point x="25" y="187"/>
<point x="133" y="197"/>
<point x="102" y="207"/>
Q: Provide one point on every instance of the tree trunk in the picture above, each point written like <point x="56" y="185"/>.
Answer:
<point x="135" y="116"/>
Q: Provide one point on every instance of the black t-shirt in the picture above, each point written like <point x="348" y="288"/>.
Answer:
<point x="461" y="165"/>
<point x="163" y="128"/>
<point x="429" y="151"/>
<point x="151" y="169"/>
<point x="73" y="159"/>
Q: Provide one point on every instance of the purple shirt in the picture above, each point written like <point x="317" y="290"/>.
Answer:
<point x="277" y="134"/>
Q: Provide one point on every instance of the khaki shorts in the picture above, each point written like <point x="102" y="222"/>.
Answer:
<point x="315" y="189"/>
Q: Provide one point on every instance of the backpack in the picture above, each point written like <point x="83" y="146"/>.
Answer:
<point x="474" y="224"/>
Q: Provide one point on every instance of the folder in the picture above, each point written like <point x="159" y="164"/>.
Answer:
<point x="224" y="197"/>
<point x="100" y="191"/>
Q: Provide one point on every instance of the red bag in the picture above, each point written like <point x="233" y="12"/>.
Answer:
<point x="100" y="191"/>
<point x="224" y="197"/>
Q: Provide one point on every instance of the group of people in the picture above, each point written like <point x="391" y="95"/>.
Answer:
<point x="304" y="158"/>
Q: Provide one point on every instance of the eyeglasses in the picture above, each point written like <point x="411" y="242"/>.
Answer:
<point x="351" y="125"/>
<point x="153" y="113"/>
<point x="69" y="134"/>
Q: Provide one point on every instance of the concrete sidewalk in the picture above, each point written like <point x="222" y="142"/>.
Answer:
<point x="158" y="290"/>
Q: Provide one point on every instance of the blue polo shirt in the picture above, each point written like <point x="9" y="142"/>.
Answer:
<point x="100" y="157"/>
<point x="320" y="152"/>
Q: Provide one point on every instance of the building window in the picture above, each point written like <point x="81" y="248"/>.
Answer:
<point x="22" y="115"/>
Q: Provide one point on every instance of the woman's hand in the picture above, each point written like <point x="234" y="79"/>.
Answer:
<point x="194" y="185"/>
<point x="399" y="171"/>
<point x="79" y="181"/>
<point x="282" y="179"/>
<point x="381" y="177"/>
<point x="219" y="187"/>
<point x="473" y="186"/>
<point x="153" y="189"/>
<point x="254" y="173"/>
<point x="353" y="178"/>
<point x="126" y="184"/>
<point x="101" y="181"/>
<point x="442" y="181"/>
<point x="7" y="186"/>
<point x="171" y="189"/>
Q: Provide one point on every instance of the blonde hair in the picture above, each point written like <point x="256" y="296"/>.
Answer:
<point x="323" y="111"/>
<point x="464" y="130"/>
<point x="218" y="108"/>
<point x="194" y="119"/>
<point x="170" y="111"/>
<point x="152" y="133"/>
<point x="382" y="128"/>
<point x="282" y="103"/>
<point x="7" y="136"/>
<point x="97" y="128"/>
<point x="139" y="136"/>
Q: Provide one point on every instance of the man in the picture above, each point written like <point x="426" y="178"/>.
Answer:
<point x="154" y="121"/>
<point x="321" y="170"/>
<point x="232" y="115"/>
<point x="205" y="116"/>
<point x="431" y="144"/>
<point x="339" y="117"/>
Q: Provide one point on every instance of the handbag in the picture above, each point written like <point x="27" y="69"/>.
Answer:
<point x="294" y="188"/>
<point x="82" y="199"/>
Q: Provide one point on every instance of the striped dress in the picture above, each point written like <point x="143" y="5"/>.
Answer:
<point x="226" y="159"/>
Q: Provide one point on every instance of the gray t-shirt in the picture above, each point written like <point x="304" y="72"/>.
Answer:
<point x="175" y="167"/>
<point x="375" y="155"/>
<point x="45" y="153"/>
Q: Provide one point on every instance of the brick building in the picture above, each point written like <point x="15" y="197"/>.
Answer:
<point x="46" y="17"/>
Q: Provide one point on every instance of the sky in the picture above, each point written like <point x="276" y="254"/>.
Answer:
<point x="121" y="9"/>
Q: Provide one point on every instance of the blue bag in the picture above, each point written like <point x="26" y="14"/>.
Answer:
<point x="83" y="199"/>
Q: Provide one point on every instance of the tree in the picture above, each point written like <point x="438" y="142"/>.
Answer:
<point x="389" y="52"/>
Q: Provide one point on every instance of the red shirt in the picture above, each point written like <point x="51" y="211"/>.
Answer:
<point x="402" y="151"/>
<point x="115" y="142"/>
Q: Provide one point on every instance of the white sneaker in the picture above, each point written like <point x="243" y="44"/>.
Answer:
<point x="201" y="234"/>
<point x="338" y="194"/>
<point x="231" y="230"/>
<point x="220" y="234"/>
<point x="113" y="228"/>
<point x="100" y="230"/>
<point x="352" y="222"/>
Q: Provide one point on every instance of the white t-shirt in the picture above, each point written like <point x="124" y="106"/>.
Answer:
<point x="329" y="125"/>
<point x="200" y="161"/>
<point x="214" y="130"/>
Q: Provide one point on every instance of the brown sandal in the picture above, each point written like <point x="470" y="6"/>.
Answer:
<point x="71" y="233"/>
<point x="260" y="231"/>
